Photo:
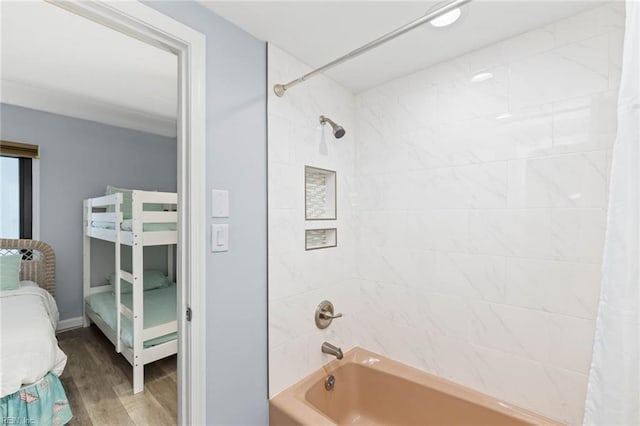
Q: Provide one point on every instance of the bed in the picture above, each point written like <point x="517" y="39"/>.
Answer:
<point x="141" y="323"/>
<point x="30" y="359"/>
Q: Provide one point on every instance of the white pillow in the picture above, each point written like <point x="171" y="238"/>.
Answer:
<point x="28" y="284"/>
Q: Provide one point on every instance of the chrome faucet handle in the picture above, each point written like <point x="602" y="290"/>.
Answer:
<point x="324" y="314"/>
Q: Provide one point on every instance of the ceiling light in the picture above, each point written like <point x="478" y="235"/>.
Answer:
<point x="446" y="19"/>
<point x="481" y="76"/>
<point x="503" y="116"/>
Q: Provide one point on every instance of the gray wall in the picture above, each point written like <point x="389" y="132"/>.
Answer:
<point x="78" y="159"/>
<point x="236" y="160"/>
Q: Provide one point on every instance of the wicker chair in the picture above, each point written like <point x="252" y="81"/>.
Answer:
<point x="38" y="261"/>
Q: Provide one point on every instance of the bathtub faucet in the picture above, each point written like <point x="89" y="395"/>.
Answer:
<point x="328" y="348"/>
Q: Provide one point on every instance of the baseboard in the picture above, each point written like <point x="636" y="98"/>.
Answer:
<point x="69" y="324"/>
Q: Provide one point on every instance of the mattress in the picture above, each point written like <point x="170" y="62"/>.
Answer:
<point x="127" y="226"/>
<point x="28" y="320"/>
<point x="160" y="306"/>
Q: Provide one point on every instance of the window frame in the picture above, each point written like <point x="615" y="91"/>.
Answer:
<point x="28" y="181"/>
<point x="25" y="179"/>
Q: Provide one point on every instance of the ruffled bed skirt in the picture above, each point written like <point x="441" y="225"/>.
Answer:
<point x="42" y="404"/>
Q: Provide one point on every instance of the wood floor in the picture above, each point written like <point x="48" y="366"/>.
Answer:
<point x="98" y="382"/>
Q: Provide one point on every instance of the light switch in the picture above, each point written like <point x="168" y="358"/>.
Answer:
<point x="219" y="203"/>
<point x="219" y="237"/>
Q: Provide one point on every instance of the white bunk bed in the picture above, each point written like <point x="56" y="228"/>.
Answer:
<point x="146" y="228"/>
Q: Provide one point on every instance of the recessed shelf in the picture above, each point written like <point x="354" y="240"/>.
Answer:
<point x="320" y="238"/>
<point x="319" y="194"/>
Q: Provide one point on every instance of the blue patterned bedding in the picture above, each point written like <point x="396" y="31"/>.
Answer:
<point x="42" y="404"/>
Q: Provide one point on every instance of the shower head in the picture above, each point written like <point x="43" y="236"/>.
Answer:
<point x="338" y="131"/>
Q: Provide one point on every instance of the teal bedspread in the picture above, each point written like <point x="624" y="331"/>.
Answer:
<point x="42" y="404"/>
<point x="160" y="307"/>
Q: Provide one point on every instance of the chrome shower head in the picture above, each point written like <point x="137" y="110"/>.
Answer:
<point x="338" y="131"/>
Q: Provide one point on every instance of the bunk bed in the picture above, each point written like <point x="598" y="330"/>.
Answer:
<point x="141" y="323"/>
<point x="30" y="359"/>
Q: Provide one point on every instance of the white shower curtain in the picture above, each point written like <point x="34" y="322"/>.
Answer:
<point x="613" y="394"/>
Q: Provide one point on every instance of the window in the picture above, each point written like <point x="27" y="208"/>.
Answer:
<point x="16" y="189"/>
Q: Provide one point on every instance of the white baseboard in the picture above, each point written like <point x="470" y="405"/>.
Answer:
<point x="69" y="324"/>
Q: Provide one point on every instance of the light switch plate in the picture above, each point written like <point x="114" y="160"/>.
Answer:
<point x="219" y="237"/>
<point x="219" y="203"/>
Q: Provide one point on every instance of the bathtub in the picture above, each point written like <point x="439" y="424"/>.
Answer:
<point x="373" y="390"/>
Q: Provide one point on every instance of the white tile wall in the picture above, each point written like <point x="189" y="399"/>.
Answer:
<point x="468" y="246"/>
<point x="299" y="279"/>
<point x="485" y="265"/>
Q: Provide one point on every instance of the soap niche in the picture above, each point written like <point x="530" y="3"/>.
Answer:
<point x="320" y="238"/>
<point x="319" y="194"/>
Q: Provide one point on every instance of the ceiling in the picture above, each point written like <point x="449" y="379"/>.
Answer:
<point x="59" y="62"/>
<point x="317" y="32"/>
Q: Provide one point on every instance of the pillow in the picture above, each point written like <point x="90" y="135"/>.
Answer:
<point x="28" y="283"/>
<point x="10" y="272"/>
<point x="126" y="207"/>
<point x="153" y="279"/>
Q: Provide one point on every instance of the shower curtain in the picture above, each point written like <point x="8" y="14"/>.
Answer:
<point x="613" y="393"/>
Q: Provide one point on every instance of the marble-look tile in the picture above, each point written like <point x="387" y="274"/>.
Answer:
<point x="471" y="276"/>
<point x="286" y="188"/>
<point x="450" y="230"/>
<point x="578" y="234"/>
<point x="444" y="314"/>
<point x="559" y="287"/>
<point x="588" y="24"/>
<point x="585" y="124"/>
<point x="463" y="100"/>
<point x="383" y="191"/>
<point x="455" y="360"/>
<point x="520" y="233"/>
<point x="383" y="228"/>
<point x="550" y="391"/>
<point x="280" y="139"/>
<point x="557" y="340"/>
<point x="616" y="44"/>
<point x="523" y="133"/>
<point x="528" y="44"/>
<point x="473" y="186"/>
<point x="286" y="230"/>
<point x="285" y="276"/>
<point x="571" y="71"/>
<point x="573" y="180"/>
<point x="421" y="230"/>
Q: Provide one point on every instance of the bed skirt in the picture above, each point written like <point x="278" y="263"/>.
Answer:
<point x="43" y="404"/>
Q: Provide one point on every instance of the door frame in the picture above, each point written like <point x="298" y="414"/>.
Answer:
<point x="148" y="25"/>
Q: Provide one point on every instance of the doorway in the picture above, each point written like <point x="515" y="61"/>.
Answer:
<point x="145" y="24"/>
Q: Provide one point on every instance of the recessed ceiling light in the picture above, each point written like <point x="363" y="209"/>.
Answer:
<point x="481" y="76"/>
<point x="446" y="19"/>
<point x="503" y="116"/>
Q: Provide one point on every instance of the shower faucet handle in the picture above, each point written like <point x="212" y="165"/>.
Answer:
<point x="325" y="314"/>
<point x="329" y="315"/>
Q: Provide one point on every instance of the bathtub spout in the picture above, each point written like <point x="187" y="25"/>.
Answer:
<point x="328" y="348"/>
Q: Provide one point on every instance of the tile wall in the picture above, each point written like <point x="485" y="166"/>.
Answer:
<point x="471" y="216"/>
<point x="298" y="279"/>
<point x="482" y="210"/>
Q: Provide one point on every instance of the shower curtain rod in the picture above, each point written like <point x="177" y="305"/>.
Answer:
<point x="280" y="89"/>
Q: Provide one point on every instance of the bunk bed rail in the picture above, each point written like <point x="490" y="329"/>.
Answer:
<point x="142" y="210"/>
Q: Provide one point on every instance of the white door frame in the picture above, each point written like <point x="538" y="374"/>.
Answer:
<point x="144" y="23"/>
